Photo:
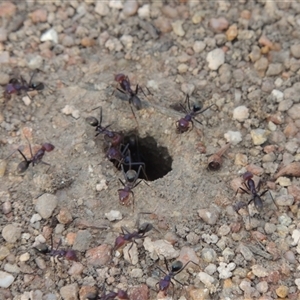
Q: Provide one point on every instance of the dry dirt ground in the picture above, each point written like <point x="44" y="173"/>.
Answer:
<point x="78" y="75"/>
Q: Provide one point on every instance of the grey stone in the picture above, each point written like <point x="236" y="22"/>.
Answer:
<point x="45" y="205"/>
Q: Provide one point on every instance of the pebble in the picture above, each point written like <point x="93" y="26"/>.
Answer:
<point x="35" y="218"/>
<point x="82" y="240"/>
<point x="76" y="269"/>
<point x="208" y="255"/>
<point x="99" y="256"/>
<point x="233" y="137"/>
<point x="127" y="41"/>
<point x="6" y="279"/>
<point x="177" y="28"/>
<point x="210" y="238"/>
<point x="284" y="200"/>
<point x="102" y="185"/>
<point x="274" y="69"/>
<point x="45" y="205"/>
<point x="259" y="136"/>
<point x="4" y="252"/>
<point x="199" y="46"/>
<point x="290" y="257"/>
<point x="160" y="247"/>
<point x="6" y="207"/>
<point x="270" y="228"/>
<point x="187" y="88"/>
<point x="246" y="252"/>
<point x="199" y="294"/>
<point x="114" y="215"/>
<point x="130" y="8"/>
<point x="116" y="4"/>
<point x="102" y="8"/>
<point x="88" y="292"/>
<point x="50" y="35"/>
<point x="3" y="34"/>
<point x="282" y="291"/>
<point x="136" y="273"/>
<point x="64" y="216"/>
<point x="241" y="113"/>
<point x="209" y="215"/>
<point x="11" y="268"/>
<point x="188" y="254"/>
<point x="262" y="287"/>
<point x="215" y="59"/>
<point x="139" y="292"/>
<point x="228" y="254"/>
<point x="259" y="271"/>
<point x="225" y="270"/>
<point x="240" y="159"/>
<point x="182" y="68"/>
<point x="295" y="50"/>
<point x="297" y="282"/>
<point x="218" y="24"/>
<point x="207" y="280"/>
<point x="24" y="257"/>
<point x="7" y="9"/>
<point x="232" y="32"/>
<point x="210" y="269"/>
<point x="39" y="15"/>
<point x="69" y="292"/>
<point x="278" y="95"/>
<point x="11" y="233"/>
<point x="169" y="11"/>
<point x="144" y="11"/>
<point x="113" y="44"/>
<point x="223" y="230"/>
<point x="295" y="237"/>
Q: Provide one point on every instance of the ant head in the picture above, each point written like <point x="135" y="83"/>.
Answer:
<point x="120" y="241"/>
<point x="92" y="121"/>
<point x="71" y="255"/>
<point x="23" y="166"/>
<point x="248" y="175"/>
<point x="48" y="147"/>
<point x="176" y="266"/>
<point x="122" y="295"/>
<point x="131" y="175"/>
<point x="120" y="77"/>
<point x="145" y="227"/>
<point x="37" y="86"/>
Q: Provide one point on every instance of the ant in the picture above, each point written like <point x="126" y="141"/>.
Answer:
<point x="252" y="189"/>
<point x="124" y="82"/>
<point x="126" y="236"/>
<point x="35" y="159"/>
<point x="183" y="124"/>
<point x="68" y="254"/>
<point x="112" y="295"/>
<point x="113" y="139"/>
<point x="176" y="267"/>
<point x="131" y="181"/>
<point x="15" y="86"/>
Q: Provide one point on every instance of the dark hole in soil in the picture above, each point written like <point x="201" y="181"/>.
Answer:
<point x="145" y="152"/>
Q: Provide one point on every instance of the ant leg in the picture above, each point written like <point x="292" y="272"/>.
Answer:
<point x="187" y="100"/>
<point x="197" y="121"/>
<point x="240" y="188"/>
<point x="183" y="108"/>
<point x="132" y="193"/>
<point x="271" y="197"/>
<point x="137" y="123"/>
<point x="30" y="80"/>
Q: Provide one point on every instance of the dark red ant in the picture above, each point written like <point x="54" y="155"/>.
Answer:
<point x="176" y="267"/>
<point x="15" y="86"/>
<point x="124" y="82"/>
<point x="183" y="124"/>
<point x="35" y="159"/>
<point x="130" y="237"/>
<point x="69" y="254"/>
<point x="252" y="189"/>
<point x="113" y="295"/>
<point x="131" y="181"/>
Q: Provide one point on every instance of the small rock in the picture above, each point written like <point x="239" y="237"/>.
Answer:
<point x="246" y="252"/>
<point x="218" y="24"/>
<point x="182" y="68"/>
<point x="262" y="287"/>
<point x="177" y="28"/>
<point x="160" y="247"/>
<point x="208" y="255"/>
<point x="241" y="113"/>
<point x="197" y="17"/>
<point x="24" y="257"/>
<point x="6" y="207"/>
<point x="130" y="8"/>
<point x="114" y="215"/>
<point x="6" y="279"/>
<point x="7" y="9"/>
<point x="278" y="95"/>
<point x="130" y="252"/>
<point x="87" y="42"/>
<point x="136" y="273"/>
<point x="188" y="254"/>
<point x="127" y="41"/>
<point x="282" y="291"/>
<point x="99" y="256"/>
<point x="199" y="294"/>
<point x="215" y="58"/>
<point x="290" y="257"/>
<point x="35" y="218"/>
<point x="259" y="136"/>
<point x="3" y="34"/>
<point x="232" y="32"/>
<point x="11" y="233"/>
<point x="50" y="35"/>
<point x="295" y="50"/>
<point x="102" y="185"/>
<point x="199" y="46"/>
<point x="169" y="11"/>
<point x="233" y="137"/>
<point x="4" y="252"/>
<point x="4" y="57"/>
<point x="82" y="240"/>
<point x="225" y="270"/>
<point x="140" y="292"/>
<point x="69" y="292"/>
<point x="39" y="15"/>
<point x="259" y="271"/>
<point x="284" y="200"/>
<point x="68" y="41"/>
<point x="209" y="215"/>
<point x="64" y="216"/>
<point x="116" y="4"/>
<point x="228" y="254"/>
<point x="102" y="8"/>
<point x="76" y="269"/>
<point x="284" y="181"/>
<point x="45" y="205"/>
<point x="241" y="159"/>
<point x="210" y="269"/>
<point x="88" y="292"/>
<point x="297" y="282"/>
<point x="144" y="11"/>
<point x="210" y="238"/>
<point x="274" y="69"/>
<point x="207" y="280"/>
